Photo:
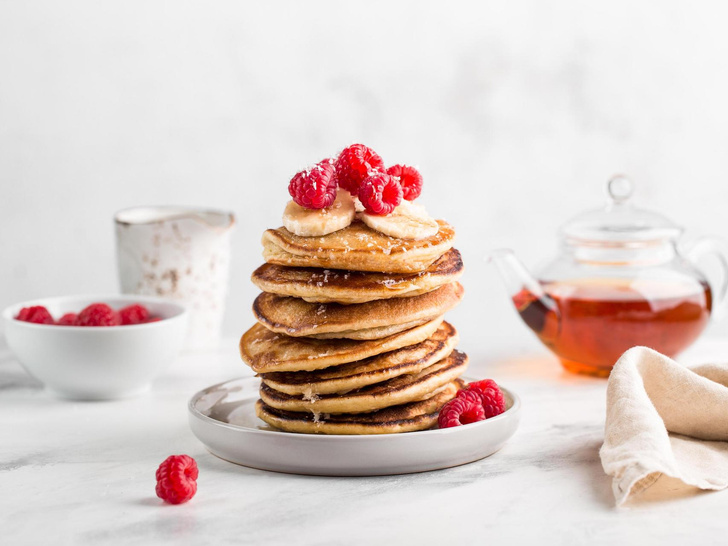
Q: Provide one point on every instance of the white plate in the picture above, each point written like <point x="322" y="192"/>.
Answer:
<point x="223" y="418"/>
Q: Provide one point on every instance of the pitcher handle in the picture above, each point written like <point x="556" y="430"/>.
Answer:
<point x="717" y="248"/>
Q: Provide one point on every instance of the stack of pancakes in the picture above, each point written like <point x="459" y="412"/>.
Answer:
<point x="350" y="336"/>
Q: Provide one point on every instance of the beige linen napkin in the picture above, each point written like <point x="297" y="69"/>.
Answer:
<point x="663" y="418"/>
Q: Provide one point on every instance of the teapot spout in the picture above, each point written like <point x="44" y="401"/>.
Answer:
<point x="535" y="307"/>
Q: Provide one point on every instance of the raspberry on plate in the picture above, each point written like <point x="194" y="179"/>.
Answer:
<point x="176" y="479"/>
<point x="97" y="314"/>
<point x="354" y="164"/>
<point x="133" y="314"/>
<point x="494" y="402"/>
<point x="314" y="188"/>
<point x="409" y="178"/>
<point x="380" y="193"/>
<point x="69" y="319"/>
<point x="36" y="314"/>
<point x="465" y="408"/>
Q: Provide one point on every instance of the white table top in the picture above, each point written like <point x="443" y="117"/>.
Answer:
<point x="83" y="473"/>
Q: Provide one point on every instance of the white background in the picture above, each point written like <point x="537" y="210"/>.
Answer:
<point x="515" y="112"/>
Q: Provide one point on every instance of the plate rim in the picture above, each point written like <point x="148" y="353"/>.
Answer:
<point x="511" y="412"/>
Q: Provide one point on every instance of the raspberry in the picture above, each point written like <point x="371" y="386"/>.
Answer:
<point x="482" y="385"/>
<point x="69" y="319"/>
<point x="409" y="178"/>
<point x="314" y="188"/>
<point x="492" y="397"/>
<point x="133" y="314"/>
<point x="176" y="479"/>
<point x="463" y="409"/>
<point x="380" y="193"/>
<point x="97" y="314"/>
<point x="354" y="164"/>
<point x="36" y="314"/>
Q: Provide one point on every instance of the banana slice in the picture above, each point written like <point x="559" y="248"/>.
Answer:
<point x="317" y="222"/>
<point x="407" y="221"/>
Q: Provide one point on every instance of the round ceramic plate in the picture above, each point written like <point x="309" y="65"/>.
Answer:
<point x="223" y="418"/>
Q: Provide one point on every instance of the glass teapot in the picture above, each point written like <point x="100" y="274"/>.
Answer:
<point x="620" y="280"/>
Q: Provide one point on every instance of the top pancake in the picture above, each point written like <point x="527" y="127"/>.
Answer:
<point x="357" y="248"/>
<point x="317" y="285"/>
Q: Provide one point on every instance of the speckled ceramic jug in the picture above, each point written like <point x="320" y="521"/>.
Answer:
<point x="181" y="254"/>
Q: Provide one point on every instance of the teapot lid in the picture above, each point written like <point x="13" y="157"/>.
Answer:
<point x="620" y="221"/>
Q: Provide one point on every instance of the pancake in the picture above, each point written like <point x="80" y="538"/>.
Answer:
<point x="340" y="286"/>
<point x="266" y="351"/>
<point x="399" y="390"/>
<point x="370" y="333"/>
<point x="376" y="369"/>
<point x="358" y="248"/>
<point x="372" y="320"/>
<point x="403" y="418"/>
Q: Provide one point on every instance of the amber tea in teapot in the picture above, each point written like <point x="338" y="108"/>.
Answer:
<point x="599" y="319"/>
<point x="620" y="280"/>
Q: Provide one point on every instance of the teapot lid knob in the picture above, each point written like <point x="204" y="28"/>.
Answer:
<point x="619" y="221"/>
<point x="620" y="189"/>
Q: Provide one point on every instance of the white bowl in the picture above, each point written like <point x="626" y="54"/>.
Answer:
<point x="96" y="363"/>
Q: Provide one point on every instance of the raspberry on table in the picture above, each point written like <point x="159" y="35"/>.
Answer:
<point x="493" y="401"/>
<point x="314" y="188"/>
<point x="36" y="314"/>
<point x="176" y="479"/>
<point x="465" y="408"/>
<point x="409" y="178"/>
<point x="133" y="314"/>
<point x="354" y="164"/>
<point x="69" y="319"/>
<point x="97" y="314"/>
<point x="380" y="193"/>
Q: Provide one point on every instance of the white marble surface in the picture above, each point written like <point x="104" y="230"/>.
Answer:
<point x="83" y="473"/>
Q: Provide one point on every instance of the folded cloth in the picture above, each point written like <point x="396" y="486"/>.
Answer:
<point x="663" y="418"/>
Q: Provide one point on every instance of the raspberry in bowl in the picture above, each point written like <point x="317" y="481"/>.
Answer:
<point x="96" y="347"/>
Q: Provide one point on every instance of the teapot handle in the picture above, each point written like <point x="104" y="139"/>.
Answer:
<point x="716" y="248"/>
